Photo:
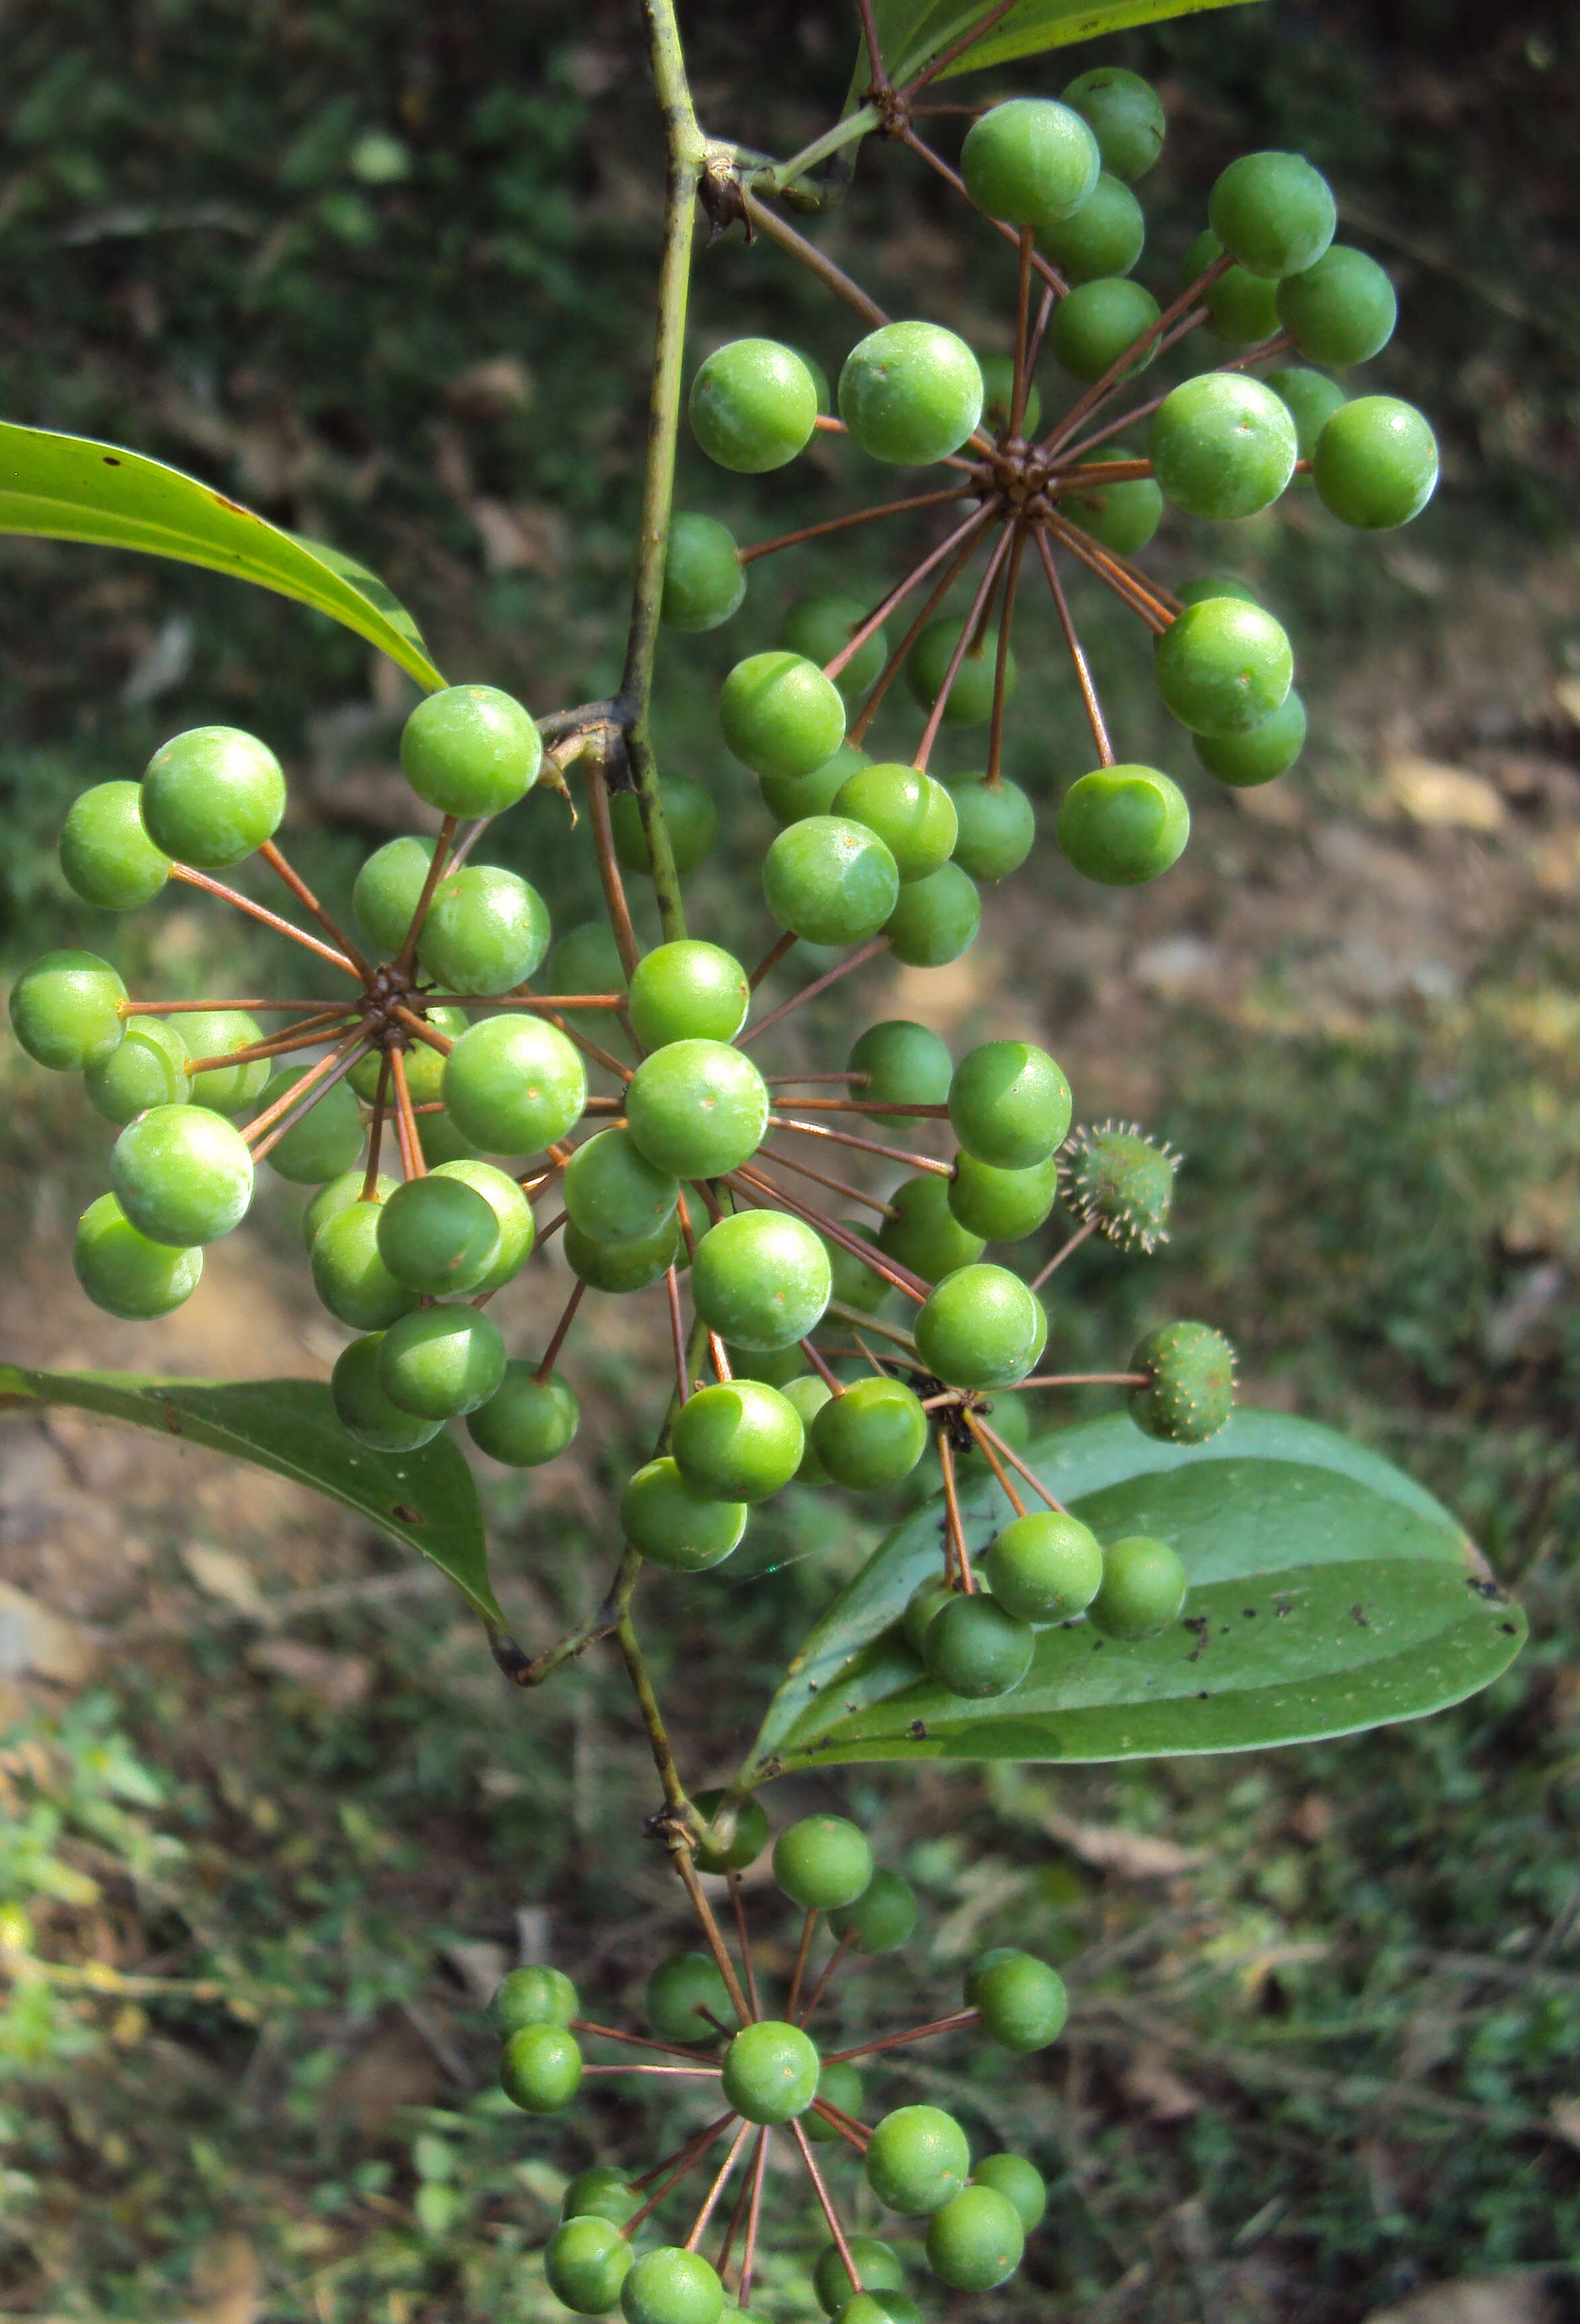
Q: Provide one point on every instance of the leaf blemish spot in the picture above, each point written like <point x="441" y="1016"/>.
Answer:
<point x="407" y="1514"/>
<point x="110" y="460"/>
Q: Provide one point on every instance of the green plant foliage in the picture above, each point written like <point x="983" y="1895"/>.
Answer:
<point x="914" y="32"/>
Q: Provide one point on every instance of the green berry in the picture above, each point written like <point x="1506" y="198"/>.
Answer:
<point x="981" y="1327"/>
<point x="1144" y="1590"/>
<point x="688" y="990"/>
<point x="1045" y="1568"/>
<point x="181" y="1175"/>
<point x="918" y="2159"/>
<point x="823" y="626"/>
<point x="1126" y="115"/>
<point x="1002" y="1206"/>
<point x="541" y="2069"/>
<point x="1009" y="1104"/>
<point x="1267" y="751"/>
<point x="1222" y="445"/>
<point x="1122" y="515"/>
<point x="1273" y="212"/>
<point x="425" y="1065"/>
<point x="910" y="392"/>
<point x="913" y="816"/>
<point x="365" y="1410"/>
<point x="881" y="2308"/>
<point x="1190" y="1388"/>
<point x="1340" y="311"/>
<point x="831" y="881"/>
<point x="512" y="1216"/>
<point x="842" y="2085"/>
<point x="879" y="2265"/>
<point x="753" y="406"/>
<point x="622" y="1266"/>
<point x="586" y="2262"/>
<point x="1096" y="324"/>
<point x="602" y="2192"/>
<point x="998" y="400"/>
<point x="882" y="1919"/>
<point x="790" y="799"/>
<point x="770" y="2072"/>
<point x="149" y="1068"/>
<point x="689" y="814"/>
<point x="486" y="930"/>
<point x="970" y="696"/>
<point x="679" y="1990"/>
<point x="1216" y="585"/>
<point x="922" y="1232"/>
<point x="514" y="1084"/>
<point x="439" y="1362"/>
<point x="1242" y="308"/>
<point x="974" y="1648"/>
<point x="585" y="959"/>
<point x="613" y="1193"/>
<point x="438" y="1235"/>
<point x="823" y="1862"/>
<point x="1103" y="237"/>
<point x="220" y="1033"/>
<point x="325" y="1142"/>
<point x="935" y="920"/>
<point x="856" y="1284"/>
<point x="750" y="1837"/>
<point x="1123" y="1184"/>
<point x="107" y="856"/>
<point x="1123" y="825"/>
<point x="780" y="714"/>
<point x="697" y="1108"/>
<point x="1375" y="464"/>
<point x="1312" y="398"/>
<point x="1030" y="161"/>
<point x="534" y="1995"/>
<point x="1023" y="2002"/>
<point x="527" y="1421"/>
<point x="349" y="1274"/>
<point x="124" y="1272"/>
<point x="471" y="750"/>
<point x="739" y="1440"/>
<point x="1019" y="2182"/>
<point x="809" y="1394"/>
<point x="705" y="580"/>
<point x="926" y="1600"/>
<point x="388" y="889"/>
<point x="975" y="2241"/>
<point x="339" y="1195"/>
<point x="872" y="1435"/>
<point x="1223" y="667"/>
<point x="906" y="1063"/>
<point x="65" y="1012"/>
<point x="211" y="795"/>
<point x="671" y="2286"/>
<point x="673" y="1526"/>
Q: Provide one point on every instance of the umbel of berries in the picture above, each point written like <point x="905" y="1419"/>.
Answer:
<point x="680" y="2237"/>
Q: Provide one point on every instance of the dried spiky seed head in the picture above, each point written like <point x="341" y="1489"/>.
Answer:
<point x="1191" y="1383"/>
<point x="1122" y="1182"/>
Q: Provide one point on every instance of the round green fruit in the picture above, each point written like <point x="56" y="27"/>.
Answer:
<point x="107" y="856"/>
<point x="339" y="1195"/>
<point x="679" y="1991"/>
<point x="671" y="2286"/>
<point x="534" y="1995"/>
<point x="1340" y="311"/>
<point x="877" y="2264"/>
<point x="911" y="393"/>
<point x="1123" y="1184"/>
<point x="124" y="1272"/>
<point x="436" y="1235"/>
<point x="1002" y="1206"/>
<point x="622" y="1266"/>
<point x="327" y="1140"/>
<point x="1104" y="237"/>
<point x="697" y="1108"/>
<point x="856" y="1284"/>
<point x="148" y="1068"/>
<point x="1022" y="2001"/>
<point x="809" y="1394"/>
<point x="739" y="1440"/>
<point x="1123" y="513"/>
<point x="882" y="1919"/>
<point x="673" y="1526"/>
<point x="831" y="881"/>
<point x="1043" y="1568"/>
<point x="839" y="2085"/>
<point x="1223" y="667"/>
<point x="996" y="826"/>
<point x="440" y="1362"/>
<point x="1191" y="1383"/>
<point x="601" y="2192"/>
<point x="1268" y="751"/>
<point x="690" y="815"/>
<point x="1375" y="464"/>
<point x="66" y="1011"/>
<point x="926" y="1602"/>
<point x="350" y="1276"/>
<point x="1126" y="115"/>
<point x="881" y="2308"/>
<point x="780" y="715"/>
<point x="471" y="750"/>
<point x="981" y="1327"/>
<point x="1009" y="1104"/>
<point x="998" y="400"/>
<point x="364" y="1409"/>
<point x="822" y="627"/>
<point x="688" y="992"/>
<point x="527" y="1421"/>
<point x="181" y="1175"/>
<point x="1242" y="308"/>
<point x="770" y="2072"/>
<point x="514" y="1084"/>
<point x="388" y="889"/>
<point x="748" y="1842"/>
<point x="872" y="1435"/>
<point x="1312" y="398"/>
<point x="822" y="1863"/>
<point x="613" y="1193"/>
<point x="922" y="1232"/>
<point x="586" y="2262"/>
<point x="705" y="580"/>
<point x="918" y="2159"/>
<point x="1144" y="1590"/>
<point x="970" y="695"/>
<point x="790" y="799"/>
<point x="903" y="1063"/>
<point x="1030" y="161"/>
<point x="1123" y="825"/>
<point x="1010" y="1417"/>
<point x="512" y="1214"/>
<point x="1223" y="446"/>
<point x="425" y="1064"/>
<point x="975" y="2241"/>
<point x="540" y="2070"/>
<point x="753" y="406"/>
<point x="913" y="815"/>
<point x="974" y="1648"/>
<point x="1216" y="585"/>
<point x="1020" y="2182"/>
<point x="211" y="795"/>
<point x="1096" y="325"/>
<point x="934" y="919"/>
<point x="210" y="1033"/>
<point x="486" y="930"/>
<point x="1273" y="212"/>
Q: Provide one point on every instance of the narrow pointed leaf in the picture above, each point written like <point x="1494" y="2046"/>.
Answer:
<point x="71" y="488"/>
<point x="426" y="1500"/>
<point x="1328" y="1593"/>
<point x="912" y="32"/>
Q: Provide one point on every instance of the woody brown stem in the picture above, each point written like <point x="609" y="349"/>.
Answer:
<point x="260" y="912"/>
<point x="614" y="894"/>
<point x="376" y="1133"/>
<point x="928" y="1162"/>
<point x="309" y="903"/>
<point x="1087" y="1227"/>
<point x="412" y="1163"/>
<point x="951" y="1502"/>
<point x="557" y="1338"/>
<point x="902" y="589"/>
<point x="1014" y="1498"/>
<point x="1083" y="676"/>
<point x="967" y="642"/>
<point x="994" y="775"/>
<point x="856" y="959"/>
<point x="855" y="517"/>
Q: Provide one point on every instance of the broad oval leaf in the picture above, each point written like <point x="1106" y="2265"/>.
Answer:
<point x="426" y="1500"/>
<point x="1328" y="1593"/>
<point x="71" y="488"/>
<point x="912" y="32"/>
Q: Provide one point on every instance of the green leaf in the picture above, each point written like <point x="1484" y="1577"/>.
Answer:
<point x="71" y="488"/>
<point x="426" y="1500"/>
<point x="1328" y="1593"/>
<point x="910" y="32"/>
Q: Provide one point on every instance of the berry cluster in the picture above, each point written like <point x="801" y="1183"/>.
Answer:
<point x="706" y="2009"/>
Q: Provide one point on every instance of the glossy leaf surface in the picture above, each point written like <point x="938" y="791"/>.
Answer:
<point x="910" y="32"/>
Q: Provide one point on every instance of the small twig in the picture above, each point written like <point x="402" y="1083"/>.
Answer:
<point x="856" y="516"/>
<point x="1072" y="1243"/>
<point x="557" y="1339"/>
<point x="972" y="1423"/>
<point x="830" y="1966"/>
<point x="967" y="642"/>
<point x="992" y="1437"/>
<point x="1104" y="385"/>
<point x="952" y="1503"/>
<point x="184" y="871"/>
<point x="829" y="2212"/>
<point x="913" y="1160"/>
<point x="309" y="903"/>
<point x="677" y="1332"/>
<point x="614" y="894"/>
<point x="873" y="622"/>
<point x="376" y="1133"/>
<point x="344" y="1057"/>
<point x="1083" y="676"/>
<point x="771" y="958"/>
<point x="803" y="1952"/>
<point x="412" y="1162"/>
<point x="710" y="2200"/>
<point x="856" y="959"/>
<point x="821" y="1177"/>
<point x="994" y="775"/>
<point x="917" y="2033"/>
<point x="815" y="260"/>
<point x="967" y="40"/>
<point x="681" y="1858"/>
<point x="979" y="525"/>
<point x="738" y="1906"/>
<point x="748" y="2257"/>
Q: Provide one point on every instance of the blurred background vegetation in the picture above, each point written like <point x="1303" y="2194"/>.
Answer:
<point x="272" y="1826"/>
